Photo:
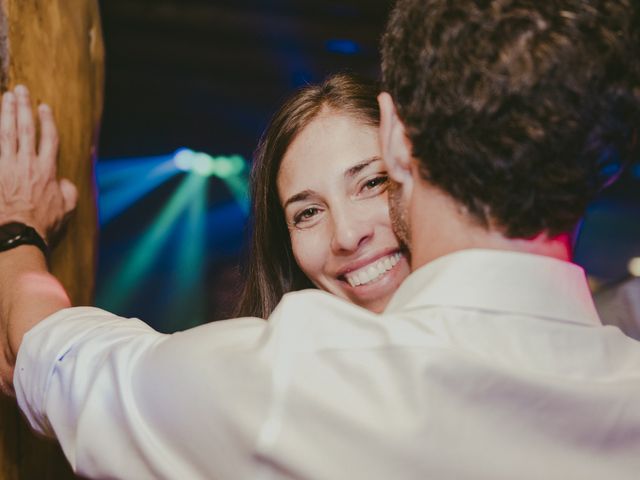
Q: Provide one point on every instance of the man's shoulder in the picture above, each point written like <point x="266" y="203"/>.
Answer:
<point x="619" y="305"/>
<point x="316" y="320"/>
<point x="313" y="299"/>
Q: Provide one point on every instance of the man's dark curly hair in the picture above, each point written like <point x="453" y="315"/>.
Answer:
<point x="521" y="110"/>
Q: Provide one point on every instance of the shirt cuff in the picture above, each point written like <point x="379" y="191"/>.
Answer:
<point x="42" y="347"/>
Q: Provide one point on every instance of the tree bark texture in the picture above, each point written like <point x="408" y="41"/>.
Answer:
<point x="55" y="48"/>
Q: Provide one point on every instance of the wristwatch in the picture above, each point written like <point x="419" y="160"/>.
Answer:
<point x="15" y="234"/>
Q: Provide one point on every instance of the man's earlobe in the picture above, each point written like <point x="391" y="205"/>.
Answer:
<point x="394" y="144"/>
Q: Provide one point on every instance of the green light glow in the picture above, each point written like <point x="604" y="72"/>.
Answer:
<point x="239" y="187"/>
<point x="182" y="222"/>
<point x="189" y="265"/>
<point x="229" y="167"/>
<point x="121" y="286"/>
<point x="205" y="165"/>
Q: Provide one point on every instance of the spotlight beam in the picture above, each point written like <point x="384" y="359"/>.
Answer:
<point x="239" y="187"/>
<point x="112" y="173"/>
<point x="114" y="202"/>
<point x="123" y="283"/>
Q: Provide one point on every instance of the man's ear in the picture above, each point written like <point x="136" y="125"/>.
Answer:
<point x="395" y="146"/>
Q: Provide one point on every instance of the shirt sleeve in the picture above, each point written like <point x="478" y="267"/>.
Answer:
<point x="125" y="401"/>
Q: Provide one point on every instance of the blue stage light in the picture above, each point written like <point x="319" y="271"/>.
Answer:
<point x="118" y="192"/>
<point x="205" y="165"/>
<point x="183" y="159"/>
<point x="342" y="46"/>
<point x="186" y="220"/>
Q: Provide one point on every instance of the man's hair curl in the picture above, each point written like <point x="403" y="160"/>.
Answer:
<point x="521" y="110"/>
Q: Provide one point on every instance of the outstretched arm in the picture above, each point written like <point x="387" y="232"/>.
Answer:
<point x="30" y="194"/>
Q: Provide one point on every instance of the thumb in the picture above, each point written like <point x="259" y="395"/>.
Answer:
<point x="69" y="195"/>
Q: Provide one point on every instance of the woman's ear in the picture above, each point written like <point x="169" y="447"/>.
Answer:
<point x="394" y="144"/>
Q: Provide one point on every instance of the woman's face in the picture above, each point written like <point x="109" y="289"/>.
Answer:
<point x="332" y="186"/>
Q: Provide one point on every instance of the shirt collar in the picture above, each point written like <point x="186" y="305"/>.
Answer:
<point x="501" y="281"/>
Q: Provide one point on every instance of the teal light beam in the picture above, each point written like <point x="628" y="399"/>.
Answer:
<point x="238" y="185"/>
<point x="121" y="285"/>
<point x="187" y="304"/>
<point x="113" y="173"/>
<point x="112" y="203"/>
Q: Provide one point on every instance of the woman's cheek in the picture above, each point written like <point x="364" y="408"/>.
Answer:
<point x="311" y="252"/>
<point x="379" y="210"/>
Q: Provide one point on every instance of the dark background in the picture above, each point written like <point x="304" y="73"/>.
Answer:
<point x="207" y="75"/>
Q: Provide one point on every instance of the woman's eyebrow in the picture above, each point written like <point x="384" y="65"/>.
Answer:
<point x="358" y="167"/>
<point x="298" y="197"/>
<point x="349" y="173"/>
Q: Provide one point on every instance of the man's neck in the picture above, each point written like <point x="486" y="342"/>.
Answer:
<point x="444" y="227"/>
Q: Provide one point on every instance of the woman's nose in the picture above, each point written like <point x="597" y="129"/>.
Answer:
<point x="351" y="229"/>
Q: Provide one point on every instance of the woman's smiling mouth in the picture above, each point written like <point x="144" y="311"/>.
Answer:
<point x="373" y="271"/>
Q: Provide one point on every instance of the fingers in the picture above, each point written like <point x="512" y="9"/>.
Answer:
<point x="48" y="147"/>
<point x="8" y="125"/>
<point x="18" y="131"/>
<point x="69" y="195"/>
<point x="26" y="128"/>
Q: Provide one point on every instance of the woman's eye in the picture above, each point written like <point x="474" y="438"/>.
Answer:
<point x="307" y="213"/>
<point x="377" y="183"/>
<point x="305" y="217"/>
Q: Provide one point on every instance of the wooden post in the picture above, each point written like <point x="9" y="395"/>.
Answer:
<point x="55" y="48"/>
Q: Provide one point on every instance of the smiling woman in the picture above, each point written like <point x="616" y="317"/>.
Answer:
<point x="319" y="193"/>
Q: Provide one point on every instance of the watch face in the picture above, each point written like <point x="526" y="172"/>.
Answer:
<point x="11" y="230"/>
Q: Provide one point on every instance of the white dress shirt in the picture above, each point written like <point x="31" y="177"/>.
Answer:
<point x="619" y="305"/>
<point x="485" y="365"/>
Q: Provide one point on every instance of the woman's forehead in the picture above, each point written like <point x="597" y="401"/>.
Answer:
<point x="325" y="150"/>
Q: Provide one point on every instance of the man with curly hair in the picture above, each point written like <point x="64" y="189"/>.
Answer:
<point x="500" y="121"/>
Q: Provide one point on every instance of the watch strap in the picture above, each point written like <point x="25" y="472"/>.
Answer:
<point x="21" y="234"/>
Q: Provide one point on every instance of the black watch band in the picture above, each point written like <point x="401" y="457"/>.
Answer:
<point x="15" y="234"/>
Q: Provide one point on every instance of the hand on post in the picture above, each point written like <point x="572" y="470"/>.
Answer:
<point x="30" y="192"/>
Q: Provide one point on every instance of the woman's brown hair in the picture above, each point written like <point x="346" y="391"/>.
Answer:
<point x="270" y="270"/>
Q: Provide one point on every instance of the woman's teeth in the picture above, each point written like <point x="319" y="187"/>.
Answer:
<point x="371" y="272"/>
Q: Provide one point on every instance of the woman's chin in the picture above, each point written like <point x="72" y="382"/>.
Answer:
<point x="375" y="295"/>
